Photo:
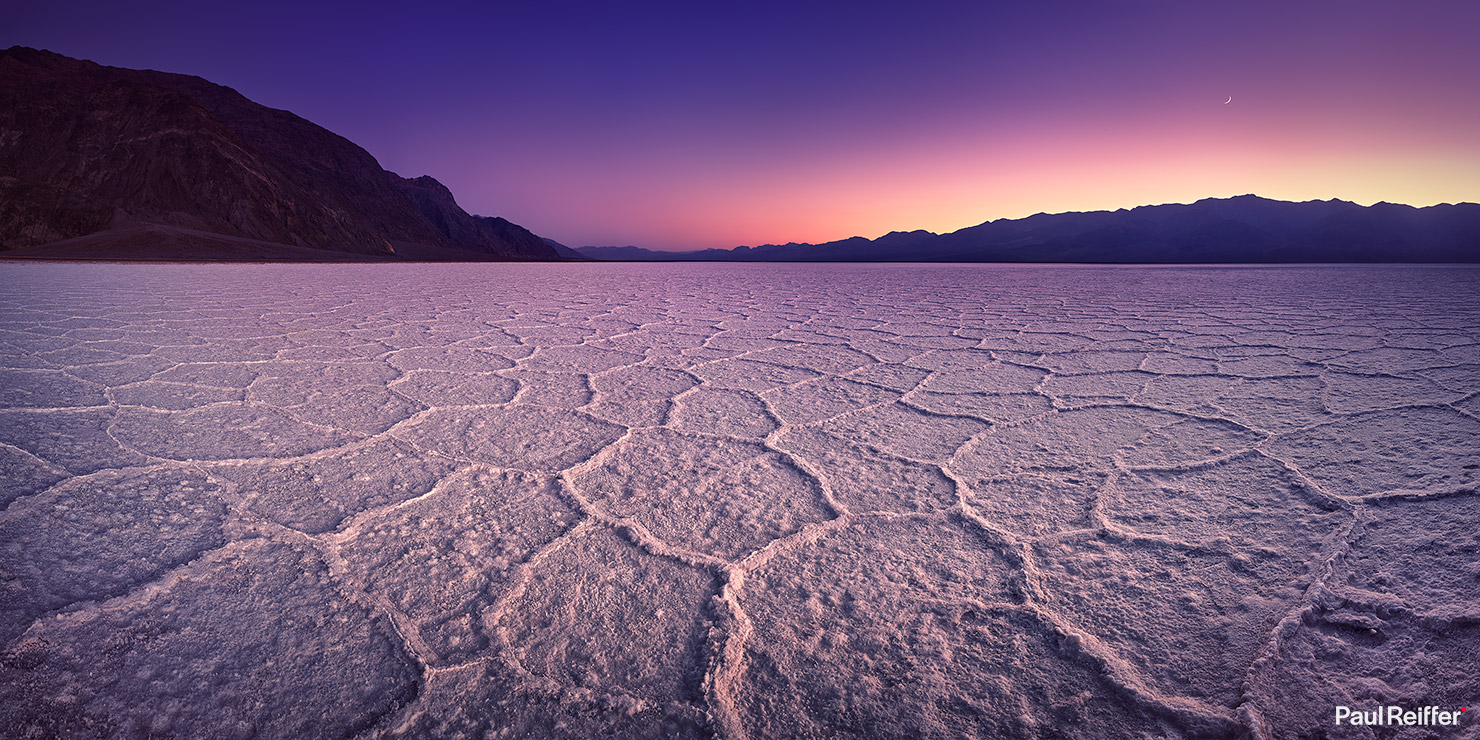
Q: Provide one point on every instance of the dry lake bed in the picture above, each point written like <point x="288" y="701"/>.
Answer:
<point x="737" y="501"/>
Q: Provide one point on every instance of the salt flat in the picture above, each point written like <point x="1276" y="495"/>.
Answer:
<point x="739" y="501"/>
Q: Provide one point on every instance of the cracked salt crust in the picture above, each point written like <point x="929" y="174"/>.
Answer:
<point x="738" y="501"/>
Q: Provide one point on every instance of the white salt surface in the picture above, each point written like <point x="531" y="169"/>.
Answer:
<point x="738" y="501"/>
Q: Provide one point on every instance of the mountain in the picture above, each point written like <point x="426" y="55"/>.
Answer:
<point x="1246" y="228"/>
<point x="640" y="254"/>
<point x="149" y="156"/>
<point x="564" y="251"/>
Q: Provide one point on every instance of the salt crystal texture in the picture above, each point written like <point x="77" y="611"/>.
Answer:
<point x="736" y="500"/>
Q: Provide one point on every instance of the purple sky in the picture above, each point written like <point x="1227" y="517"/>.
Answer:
<point x="701" y="124"/>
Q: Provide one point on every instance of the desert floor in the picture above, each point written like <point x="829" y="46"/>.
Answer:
<point x="744" y="501"/>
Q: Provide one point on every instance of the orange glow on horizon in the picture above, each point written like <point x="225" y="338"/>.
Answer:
<point x="946" y="175"/>
<point x="937" y="194"/>
<point x="701" y="125"/>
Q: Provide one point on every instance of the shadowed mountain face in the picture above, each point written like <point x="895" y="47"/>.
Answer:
<point x="86" y="148"/>
<point x="564" y="251"/>
<point x="1215" y="230"/>
<point x="480" y="233"/>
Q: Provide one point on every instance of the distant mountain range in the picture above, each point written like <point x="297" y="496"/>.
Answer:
<point x="1246" y="228"/>
<point x="101" y="161"/>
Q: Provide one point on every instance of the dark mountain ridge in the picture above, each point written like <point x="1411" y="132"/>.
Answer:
<point x="566" y="252"/>
<point x="85" y="148"/>
<point x="110" y="162"/>
<point x="1245" y="228"/>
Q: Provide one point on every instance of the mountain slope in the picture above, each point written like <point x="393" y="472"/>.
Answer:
<point x="83" y="146"/>
<point x="482" y="233"/>
<point x="564" y="251"/>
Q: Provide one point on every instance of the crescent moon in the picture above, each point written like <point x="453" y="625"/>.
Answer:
<point x="1229" y="100"/>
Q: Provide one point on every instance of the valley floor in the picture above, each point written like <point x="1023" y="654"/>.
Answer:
<point x="736" y="500"/>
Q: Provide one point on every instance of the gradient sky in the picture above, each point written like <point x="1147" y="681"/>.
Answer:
<point x="679" y="125"/>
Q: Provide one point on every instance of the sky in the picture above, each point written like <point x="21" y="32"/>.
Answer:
<point x="689" y="125"/>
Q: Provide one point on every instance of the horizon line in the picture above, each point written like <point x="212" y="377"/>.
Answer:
<point x="1017" y="218"/>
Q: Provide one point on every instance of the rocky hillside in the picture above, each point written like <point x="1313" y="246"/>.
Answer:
<point x="86" y="148"/>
